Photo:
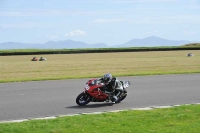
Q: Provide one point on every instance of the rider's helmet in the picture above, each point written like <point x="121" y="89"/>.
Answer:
<point x="107" y="78"/>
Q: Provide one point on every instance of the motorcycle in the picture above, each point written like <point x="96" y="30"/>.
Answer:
<point x="94" y="93"/>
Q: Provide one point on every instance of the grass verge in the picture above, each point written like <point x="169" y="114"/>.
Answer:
<point x="71" y="66"/>
<point x="183" y="119"/>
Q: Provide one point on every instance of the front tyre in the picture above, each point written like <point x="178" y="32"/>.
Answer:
<point x="83" y="99"/>
<point x="121" y="98"/>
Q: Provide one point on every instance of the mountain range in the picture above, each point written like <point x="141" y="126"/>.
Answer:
<point x="70" y="44"/>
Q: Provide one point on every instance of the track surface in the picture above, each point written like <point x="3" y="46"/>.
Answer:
<point x="27" y="100"/>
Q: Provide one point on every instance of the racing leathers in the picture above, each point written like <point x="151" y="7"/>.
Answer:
<point x="111" y="87"/>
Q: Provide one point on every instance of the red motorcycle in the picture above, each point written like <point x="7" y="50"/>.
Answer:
<point x="94" y="92"/>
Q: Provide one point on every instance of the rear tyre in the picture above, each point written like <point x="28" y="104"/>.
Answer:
<point x="83" y="99"/>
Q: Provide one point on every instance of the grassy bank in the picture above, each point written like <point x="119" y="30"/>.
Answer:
<point x="68" y="66"/>
<point x="183" y="119"/>
<point x="96" y="50"/>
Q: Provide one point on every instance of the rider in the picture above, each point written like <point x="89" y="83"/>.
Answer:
<point x="111" y="83"/>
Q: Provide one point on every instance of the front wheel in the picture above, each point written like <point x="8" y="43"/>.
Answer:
<point x="122" y="97"/>
<point x="83" y="99"/>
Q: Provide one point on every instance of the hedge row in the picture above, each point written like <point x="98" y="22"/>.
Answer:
<point x="103" y="50"/>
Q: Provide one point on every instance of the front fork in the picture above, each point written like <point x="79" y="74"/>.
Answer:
<point x="120" y="93"/>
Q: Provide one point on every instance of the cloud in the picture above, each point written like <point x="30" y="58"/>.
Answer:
<point x="142" y="1"/>
<point x="49" y="12"/>
<point x="108" y="20"/>
<point x="177" y="19"/>
<point x="189" y="32"/>
<point x="124" y="1"/>
<point x="19" y="25"/>
<point x="76" y="33"/>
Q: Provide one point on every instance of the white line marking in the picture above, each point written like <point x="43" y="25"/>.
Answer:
<point x="160" y="107"/>
<point x="147" y="108"/>
<point x="53" y="117"/>
<point x="45" y="118"/>
<point x="11" y="121"/>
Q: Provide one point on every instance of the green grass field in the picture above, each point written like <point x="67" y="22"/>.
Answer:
<point x="69" y="66"/>
<point x="183" y="119"/>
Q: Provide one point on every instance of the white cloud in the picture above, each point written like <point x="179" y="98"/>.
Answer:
<point x="64" y="12"/>
<point x="181" y="19"/>
<point x="189" y="32"/>
<point x="108" y="20"/>
<point x="49" y="12"/>
<point x="19" y="25"/>
<point x="142" y="1"/>
<point x="126" y="1"/>
<point x="76" y="33"/>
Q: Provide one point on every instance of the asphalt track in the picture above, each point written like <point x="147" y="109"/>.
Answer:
<point x="28" y="100"/>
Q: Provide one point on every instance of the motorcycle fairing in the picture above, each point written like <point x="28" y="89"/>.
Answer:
<point x="93" y="88"/>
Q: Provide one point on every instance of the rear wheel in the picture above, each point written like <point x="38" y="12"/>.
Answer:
<point x="83" y="99"/>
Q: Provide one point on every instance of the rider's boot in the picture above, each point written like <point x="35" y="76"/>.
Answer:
<point x="114" y="99"/>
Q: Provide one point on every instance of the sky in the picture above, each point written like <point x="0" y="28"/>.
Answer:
<point x="98" y="21"/>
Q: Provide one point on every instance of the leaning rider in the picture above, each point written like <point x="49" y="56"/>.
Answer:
<point x="111" y="83"/>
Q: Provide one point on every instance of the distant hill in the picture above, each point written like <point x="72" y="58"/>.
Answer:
<point x="153" y="41"/>
<point x="17" y="45"/>
<point x="70" y="44"/>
